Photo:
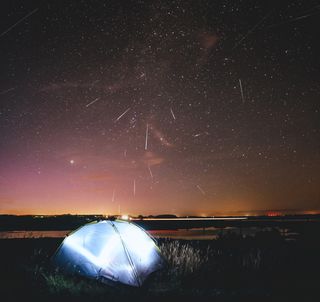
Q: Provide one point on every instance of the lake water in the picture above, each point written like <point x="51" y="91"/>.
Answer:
<point x="191" y="234"/>
<point x="33" y="234"/>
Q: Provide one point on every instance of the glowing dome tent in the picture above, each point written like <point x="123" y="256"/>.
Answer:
<point x="113" y="250"/>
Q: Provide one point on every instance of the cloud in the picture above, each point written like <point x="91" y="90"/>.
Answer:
<point x="208" y="40"/>
<point x="152" y="159"/>
<point x="100" y="176"/>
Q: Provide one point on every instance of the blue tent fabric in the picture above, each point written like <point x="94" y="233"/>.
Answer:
<point x="117" y="250"/>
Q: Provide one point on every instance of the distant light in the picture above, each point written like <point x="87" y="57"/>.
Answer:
<point x="124" y="217"/>
<point x="71" y="161"/>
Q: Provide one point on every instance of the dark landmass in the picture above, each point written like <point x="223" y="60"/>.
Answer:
<point x="44" y="223"/>
<point x="71" y="222"/>
<point x="264" y="267"/>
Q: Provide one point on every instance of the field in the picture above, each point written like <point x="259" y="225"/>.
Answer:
<point x="265" y="267"/>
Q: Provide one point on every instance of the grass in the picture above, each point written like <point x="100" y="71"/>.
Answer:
<point x="183" y="259"/>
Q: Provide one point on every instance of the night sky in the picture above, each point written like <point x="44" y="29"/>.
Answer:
<point x="150" y="107"/>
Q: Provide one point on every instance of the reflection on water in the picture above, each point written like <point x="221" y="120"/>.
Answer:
<point x="33" y="234"/>
<point x="191" y="234"/>
<point x="198" y="234"/>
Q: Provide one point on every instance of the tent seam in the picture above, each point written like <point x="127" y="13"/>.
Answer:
<point x="127" y="254"/>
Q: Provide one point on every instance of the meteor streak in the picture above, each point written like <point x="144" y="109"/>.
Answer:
<point x="151" y="174"/>
<point x="174" y="117"/>
<point x="22" y="19"/>
<point x="134" y="187"/>
<point x="241" y="90"/>
<point x="121" y="115"/>
<point x="293" y="20"/>
<point x="113" y="195"/>
<point x="250" y="31"/>
<point x="95" y="100"/>
<point x="146" y="142"/>
<point x="200" y="189"/>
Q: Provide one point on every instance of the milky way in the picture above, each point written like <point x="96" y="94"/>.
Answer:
<point x="180" y="107"/>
